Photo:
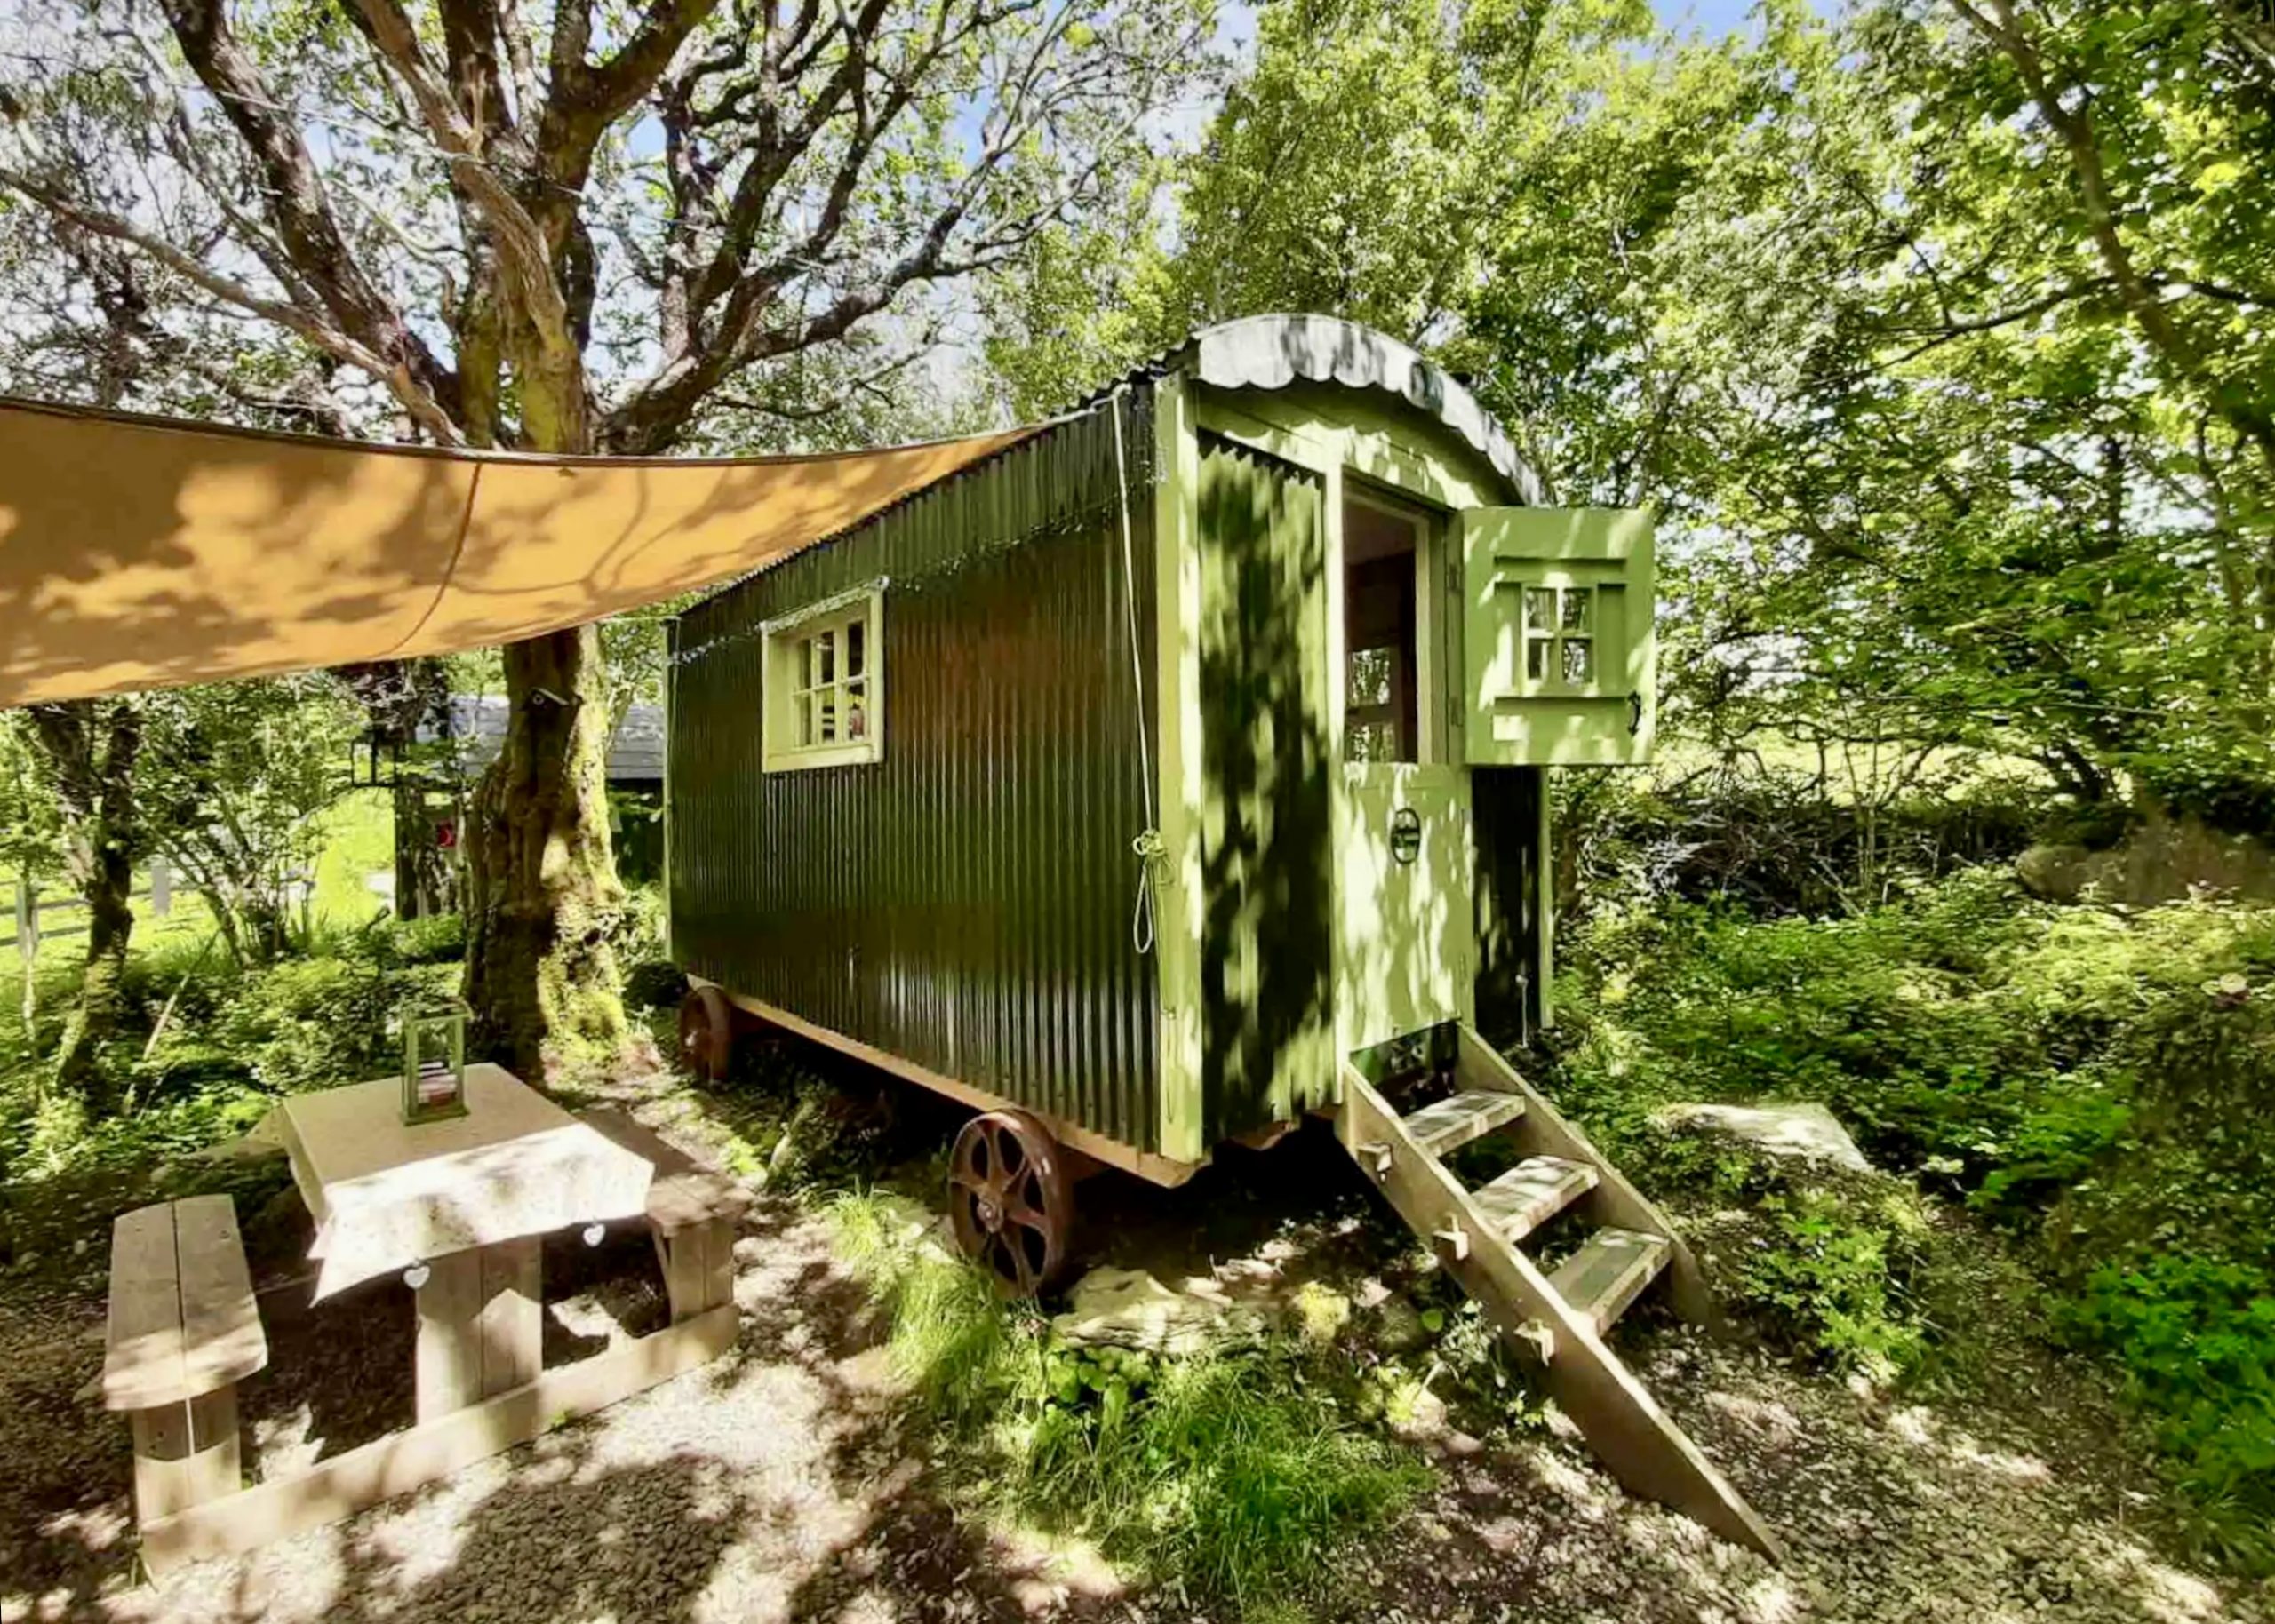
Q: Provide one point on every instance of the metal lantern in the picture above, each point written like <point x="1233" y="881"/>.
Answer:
<point x="434" y="1062"/>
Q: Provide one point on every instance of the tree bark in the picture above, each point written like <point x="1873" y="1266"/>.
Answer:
<point x="91" y="746"/>
<point x="542" y="891"/>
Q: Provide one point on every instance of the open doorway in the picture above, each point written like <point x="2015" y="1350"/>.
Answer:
<point x="1382" y="635"/>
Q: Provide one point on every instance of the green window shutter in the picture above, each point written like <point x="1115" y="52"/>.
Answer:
<point x="1557" y="632"/>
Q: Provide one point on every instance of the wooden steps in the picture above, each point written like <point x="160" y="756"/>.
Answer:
<point x="1452" y="1123"/>
<point x="1561" y="1317"/>
<point x="1532" y="1193"/>
<point x="1609" y="1272"/>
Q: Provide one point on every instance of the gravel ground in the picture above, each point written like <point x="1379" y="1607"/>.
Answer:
<point x="778" y="1485"/>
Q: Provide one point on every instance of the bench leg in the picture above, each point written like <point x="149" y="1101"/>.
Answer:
<point x="185" y="1454"/>
<point x="699" y="1267"/>
<point x="481" y="1326"/>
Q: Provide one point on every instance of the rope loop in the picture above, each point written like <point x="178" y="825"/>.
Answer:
<point x="1152" y="863"/>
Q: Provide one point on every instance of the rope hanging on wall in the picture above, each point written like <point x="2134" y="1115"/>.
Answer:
<point x="1151" y="849"/>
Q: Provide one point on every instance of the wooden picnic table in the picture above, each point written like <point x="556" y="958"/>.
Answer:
<point x="457" y="1207"/>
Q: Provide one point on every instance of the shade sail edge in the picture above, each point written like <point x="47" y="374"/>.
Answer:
<point x="140" y="552"/>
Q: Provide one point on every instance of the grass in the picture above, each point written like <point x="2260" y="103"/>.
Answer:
<point x="1235" y="1476"/>
<point x="358" y="841"/>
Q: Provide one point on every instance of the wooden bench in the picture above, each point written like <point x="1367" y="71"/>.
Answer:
<point x="184" y="1331"/>
<point x="691" y="1213"/>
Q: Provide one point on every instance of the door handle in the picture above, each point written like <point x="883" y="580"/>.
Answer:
<point x="1634" y="714"/>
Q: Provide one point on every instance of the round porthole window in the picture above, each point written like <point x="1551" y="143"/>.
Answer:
<point x="1405" y="834"/>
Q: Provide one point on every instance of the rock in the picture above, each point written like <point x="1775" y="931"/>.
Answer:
<point x="1805" y="1130"/>
<point x="1128" y="1308"/>
<point x="1398" y="1326"/>
<point x="2065" y="873"/>
<point x="2161" y="859"/>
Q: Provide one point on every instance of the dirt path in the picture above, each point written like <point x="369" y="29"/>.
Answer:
<point x="776" y="1485"/>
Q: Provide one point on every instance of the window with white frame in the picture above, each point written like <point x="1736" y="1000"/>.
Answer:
<point x="825" y="683"/>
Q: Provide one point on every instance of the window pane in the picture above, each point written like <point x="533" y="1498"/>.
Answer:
<point x="824" y="657"/>
<point x="1537" y="659"/>
<point x="1580" y="660"/>
<point x="1370" y="741"/>
<point x="1370" y="681"/>
<point x="805" y="702"/>
<point x="856" y="638"/>
<point x="1578" y="609"/>
<point x="825" y="717"/>
<point x="1540" y="609"/>
<point x="857" y="716"/>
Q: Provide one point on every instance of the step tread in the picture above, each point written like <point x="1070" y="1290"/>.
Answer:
<point x="1532" y="1193"/>
<point x="1454" y="1121"/>
<point x="1609" y="1272"/>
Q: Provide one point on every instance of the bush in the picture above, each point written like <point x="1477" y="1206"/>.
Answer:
<point x="1835" y="1279"/>
<point x="2196" y="1336"/>
<point x="320" y="1022"/>
<point x="656" y="983"/>
<point x="2094" y="1082"/>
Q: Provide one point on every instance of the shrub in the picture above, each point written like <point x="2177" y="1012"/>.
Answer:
<point x="2092" y="1081"/>
<point x="2196" y="1338"/>
<point x="1834" y="1279"/>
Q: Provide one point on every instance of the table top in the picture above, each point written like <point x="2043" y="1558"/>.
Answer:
<point x="386" y="1195"/>
<point x="351" y="1133"/>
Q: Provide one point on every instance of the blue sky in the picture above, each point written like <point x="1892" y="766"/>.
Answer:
<point x="1707" y="16"/>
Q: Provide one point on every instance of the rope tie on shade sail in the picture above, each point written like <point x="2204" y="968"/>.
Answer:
<point x="1152" y="851"/>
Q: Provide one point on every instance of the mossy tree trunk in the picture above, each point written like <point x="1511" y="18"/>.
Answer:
<point x="542" y="891"/>
<point x="91" y="746"/>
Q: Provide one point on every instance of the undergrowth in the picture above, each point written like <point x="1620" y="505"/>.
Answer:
<point x="2091" y="1083"/>
<point x="1233" y="1476"/>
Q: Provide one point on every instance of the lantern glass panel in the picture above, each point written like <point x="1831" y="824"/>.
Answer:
<point x="433" y="1062"/>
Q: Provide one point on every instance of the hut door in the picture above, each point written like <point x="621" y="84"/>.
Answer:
<point x="1403" y="848"/>
<point x="1402" y="824"/>
<point x="1557" y="632"/>
<point x="1268" y="1051"/>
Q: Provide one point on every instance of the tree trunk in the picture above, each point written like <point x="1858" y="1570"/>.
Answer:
<point x="422" y="870"/>
<point x="95" y="787"/>
<point x="542" y="891"/>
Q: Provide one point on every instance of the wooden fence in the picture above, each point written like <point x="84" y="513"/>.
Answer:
<point x="31" y="929"/>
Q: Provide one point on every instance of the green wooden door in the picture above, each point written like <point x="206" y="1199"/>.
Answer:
<point x="1557" y="631"/>
<point x="1267" y="931"/>
<point x="1408" y="953"/>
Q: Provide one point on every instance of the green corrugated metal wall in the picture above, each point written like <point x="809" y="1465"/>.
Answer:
<point x="1265" y="839"/>
<point x="965" y="902"/>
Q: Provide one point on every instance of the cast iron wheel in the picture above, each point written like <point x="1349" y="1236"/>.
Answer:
<point x="1010" y="1201"/>
<point x="707" y="1032"/>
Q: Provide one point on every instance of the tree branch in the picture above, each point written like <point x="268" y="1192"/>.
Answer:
<point x="297" y="202"/>
<point x="400" y="380"/>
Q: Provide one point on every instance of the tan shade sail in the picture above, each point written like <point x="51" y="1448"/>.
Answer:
<point x="136" y="553"/>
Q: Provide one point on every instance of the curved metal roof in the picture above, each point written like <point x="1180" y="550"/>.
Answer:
<point x="1272" y="352"/>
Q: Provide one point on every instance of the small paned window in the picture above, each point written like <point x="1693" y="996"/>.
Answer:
<point x="824" y="698"/>
<point x="1560" y="630"/>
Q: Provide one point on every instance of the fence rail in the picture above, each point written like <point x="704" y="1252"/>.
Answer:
<point x="30" y="906"/>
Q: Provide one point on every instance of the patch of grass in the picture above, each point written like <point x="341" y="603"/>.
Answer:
<point x="1235" y="1476"/>
<point x="358" y="842"/>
